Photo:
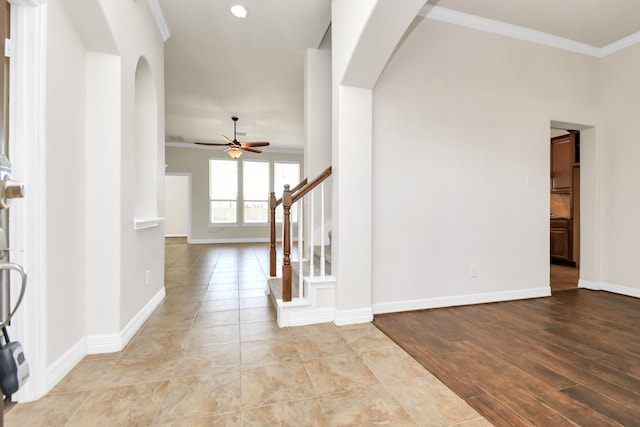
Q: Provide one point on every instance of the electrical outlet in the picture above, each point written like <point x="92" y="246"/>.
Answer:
<point x="147" y="279"/>
<point x="473" y="270"/>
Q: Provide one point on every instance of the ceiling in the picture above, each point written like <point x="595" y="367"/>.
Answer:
<point x="218" y="66"/>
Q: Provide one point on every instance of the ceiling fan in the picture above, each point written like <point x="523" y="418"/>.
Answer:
<point x="235" y="147"/>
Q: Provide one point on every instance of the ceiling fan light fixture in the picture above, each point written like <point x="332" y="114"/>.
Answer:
<point x="239" y="11"/>
<point x="234" y="152"/>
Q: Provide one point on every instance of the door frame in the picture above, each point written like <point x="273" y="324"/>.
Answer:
<point x="27" y="145"/>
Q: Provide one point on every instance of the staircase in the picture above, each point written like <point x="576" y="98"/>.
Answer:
<point x="275" y="283"/>
<point x="316" y="305"/>
<point x="302" y="291"/>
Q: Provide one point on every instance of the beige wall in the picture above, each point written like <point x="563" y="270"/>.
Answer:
<point x="461" y="162"/>
<point x="196" y="162"/>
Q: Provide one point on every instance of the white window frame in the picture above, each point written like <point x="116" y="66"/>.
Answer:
<point x="279" y="209"/>
<point x="213" y="200"/>
<point x="240" y="200"/>
<point x="244" y="200"/>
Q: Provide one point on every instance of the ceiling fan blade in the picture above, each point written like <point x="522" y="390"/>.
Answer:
<point x="253" y="150"/>
<point x="228" y="139"/>
<point x="211" y="143"/>
<point x="254" y="144"/>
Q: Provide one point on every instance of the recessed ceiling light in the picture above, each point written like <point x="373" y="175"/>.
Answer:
<point x="239" y="11"/>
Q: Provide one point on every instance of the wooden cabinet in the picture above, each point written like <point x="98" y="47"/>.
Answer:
<point x="565" y="198"/>
<point x="561" y="241"/>
<point x="563" y="156"/>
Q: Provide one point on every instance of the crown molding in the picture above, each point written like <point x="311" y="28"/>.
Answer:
<point x="28" y="3"/>
<point x="442" y="14"/>
<point x="158" y="16"/>
<point x="620" y="44"/>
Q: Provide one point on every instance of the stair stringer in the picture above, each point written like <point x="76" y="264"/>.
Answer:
<point x="318" y="307"/>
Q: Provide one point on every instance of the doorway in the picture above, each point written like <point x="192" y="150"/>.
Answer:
<point x="177" y="205"/>
<point x="564" y="208"/>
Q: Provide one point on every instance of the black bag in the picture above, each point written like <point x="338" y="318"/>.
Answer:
<point x="14" y="369"/>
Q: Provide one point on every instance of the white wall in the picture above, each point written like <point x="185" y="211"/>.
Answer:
<point x="461" y="163"/>
<point x="94" y="291"/>
<point x="195" y="161"/>
<point x="317" y="151"/>
<point x="103" y="195"/>
<point x="618" y="154"/>
<point x="176" y="205"/>
<point x="364" y="35"/>
<point x="136" y="35"/>
<point x="65" y="183"/>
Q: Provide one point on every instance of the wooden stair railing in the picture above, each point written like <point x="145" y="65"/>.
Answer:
<point x="273" y="204"/>
<point x="289" y="197"/>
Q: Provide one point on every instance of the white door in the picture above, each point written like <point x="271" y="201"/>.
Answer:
<point x="177" y="200"/>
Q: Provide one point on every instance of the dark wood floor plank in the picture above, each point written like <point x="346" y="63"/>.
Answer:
<point x="495" y="378"/>
<point x="535" y="387"/>
<point x="448" y="372"/>
<point x="590" y="380"/>
<point x="570" y="359"/>
<point x="516" y="355"/>
<point x="610" y="408"/>
<point x="598" y="368"/>
<point x="498" y="414"/>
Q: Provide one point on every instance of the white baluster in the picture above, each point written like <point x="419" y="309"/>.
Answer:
<point x="322" y="241"/>
<point x="300" y="250"/>
<point x="312" y="257"/>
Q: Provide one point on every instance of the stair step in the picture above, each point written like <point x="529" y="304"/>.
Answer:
<point x="275" y="283"/>
<point x="327" y="252"/>
<point x="275" y="289"/>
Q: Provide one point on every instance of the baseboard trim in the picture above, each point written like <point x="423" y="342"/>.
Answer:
<point x="65" y="363"/>
<point x="138" y="320"/>
<point x="109" y="343"/>
<point x="609" y="287"/>
<point x="305" y="316"/>
<point x="452" y="301"/>
<point x="235" y="240"/>
<point x="353" y="317"/>
<point x="103" y="343"/>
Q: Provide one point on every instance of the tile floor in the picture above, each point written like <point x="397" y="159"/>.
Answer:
<point x="213" y="355"/>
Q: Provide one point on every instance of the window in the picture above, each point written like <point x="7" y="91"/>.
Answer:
<point x="239" y="190"/>
<point x="255" y="186"/>
<point x="223" y="191"/>
<point x="285" y="173"/>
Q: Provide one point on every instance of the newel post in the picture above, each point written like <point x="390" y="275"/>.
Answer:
<point x="272" y="250"/>
<point x="286" y="245"/>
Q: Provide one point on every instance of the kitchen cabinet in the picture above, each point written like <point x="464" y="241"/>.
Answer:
<point x="563" y="156"/>
<point x="561" y="240"/>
